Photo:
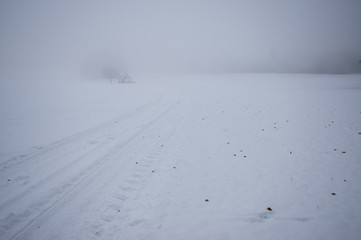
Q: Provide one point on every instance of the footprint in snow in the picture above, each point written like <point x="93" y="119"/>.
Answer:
<point x="136" y="222"/>
<point x="260" y="217"/>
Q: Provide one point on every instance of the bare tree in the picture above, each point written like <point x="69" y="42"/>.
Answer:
<point x="110" y="73"/>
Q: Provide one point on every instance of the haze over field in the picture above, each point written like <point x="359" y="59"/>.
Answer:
<point x="70" y="37"/>
<point x="180" y="119"/>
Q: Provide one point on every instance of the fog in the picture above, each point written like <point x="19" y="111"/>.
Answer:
<point x="56" y="38"/>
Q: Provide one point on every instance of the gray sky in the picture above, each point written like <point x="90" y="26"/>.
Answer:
<point x="57" y="37"/>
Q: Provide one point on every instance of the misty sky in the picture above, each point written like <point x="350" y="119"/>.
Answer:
<point x="41" y="37"/>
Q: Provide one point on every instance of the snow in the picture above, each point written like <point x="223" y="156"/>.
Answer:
<point x="94" y="160"/>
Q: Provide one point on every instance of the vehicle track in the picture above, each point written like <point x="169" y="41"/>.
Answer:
<point x="63" y="157"/>
<point x="78" y="137"/>
<point x="30" y="224"/>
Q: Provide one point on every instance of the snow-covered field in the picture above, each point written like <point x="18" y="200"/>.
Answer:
<point x="182" y="157"/>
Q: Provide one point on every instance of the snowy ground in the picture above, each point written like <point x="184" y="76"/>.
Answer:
<point x="182" y="157"/>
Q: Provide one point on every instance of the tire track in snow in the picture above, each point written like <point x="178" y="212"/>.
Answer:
<point x="120" y="205"/>
<point x="51" y="175"/>
<point x="65" y="156"/>
<point x="113" y="192"/>
<point x="69" y="141"/>
<point x="31" y="226"/>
